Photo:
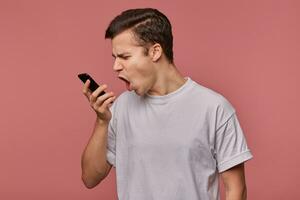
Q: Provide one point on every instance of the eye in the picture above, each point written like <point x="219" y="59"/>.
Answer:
<point x="126" y="57"/>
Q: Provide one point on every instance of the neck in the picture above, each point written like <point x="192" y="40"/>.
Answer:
<point x="168" y="79"/>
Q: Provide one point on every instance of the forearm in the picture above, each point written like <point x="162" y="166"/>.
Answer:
<point x="93" y="160"/>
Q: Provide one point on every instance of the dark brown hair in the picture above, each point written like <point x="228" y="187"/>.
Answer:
<point x="148" y="25"/>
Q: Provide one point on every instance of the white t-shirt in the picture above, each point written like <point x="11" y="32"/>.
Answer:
<point x="173" y="147"/>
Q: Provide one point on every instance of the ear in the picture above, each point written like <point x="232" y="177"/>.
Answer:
<point x="156" y="52"/>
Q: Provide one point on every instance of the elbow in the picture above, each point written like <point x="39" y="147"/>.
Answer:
<point x="90" y="182"/>
<point x="92" y="177"/>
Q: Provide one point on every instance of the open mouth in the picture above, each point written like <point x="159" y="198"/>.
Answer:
<point x="126" y="82"/>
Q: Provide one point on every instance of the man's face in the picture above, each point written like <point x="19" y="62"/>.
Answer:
<point x="132" y="65"/>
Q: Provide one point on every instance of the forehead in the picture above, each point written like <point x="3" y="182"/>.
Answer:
<point x="124" y="42"/>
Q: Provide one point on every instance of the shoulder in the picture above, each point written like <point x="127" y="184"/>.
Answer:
<point x="213" y="102"/>
<point x="210" y="96"/>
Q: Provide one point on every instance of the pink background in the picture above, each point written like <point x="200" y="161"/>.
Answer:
<point x="246" y="50"/>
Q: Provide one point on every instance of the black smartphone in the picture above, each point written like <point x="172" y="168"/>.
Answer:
<point x="93" y="85"/>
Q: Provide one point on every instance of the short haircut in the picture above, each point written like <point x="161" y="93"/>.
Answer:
<point x="148" y="25"/>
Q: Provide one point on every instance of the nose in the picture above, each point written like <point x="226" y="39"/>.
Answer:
<point x="117" y="65"/>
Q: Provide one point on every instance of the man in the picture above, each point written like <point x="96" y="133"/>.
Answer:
<point x="168" y="137"/>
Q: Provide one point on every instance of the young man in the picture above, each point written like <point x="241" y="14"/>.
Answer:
<point x="168" y="137"/>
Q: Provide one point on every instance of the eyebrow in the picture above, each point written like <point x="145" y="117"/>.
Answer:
<point x="120" y="55"/>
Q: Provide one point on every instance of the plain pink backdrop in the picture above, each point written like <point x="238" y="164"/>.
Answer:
<point x="246" y="50"/>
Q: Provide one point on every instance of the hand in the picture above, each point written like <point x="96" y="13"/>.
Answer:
<point x="99" y="104"/>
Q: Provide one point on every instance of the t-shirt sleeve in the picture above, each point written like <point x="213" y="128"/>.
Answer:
<point x="231" y="147"/>
<point x="111" y="139"/>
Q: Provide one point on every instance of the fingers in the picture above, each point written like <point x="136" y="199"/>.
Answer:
<point x="93" y="97"/>
<point x="108" y="103"/>
<point x="98" y="102"/>
<point x="104" y="99"/>
<point x="86" y="90"/>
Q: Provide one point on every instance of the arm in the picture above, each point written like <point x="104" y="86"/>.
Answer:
<point x="93" y="162"/>
<point x="234" y="182"/>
